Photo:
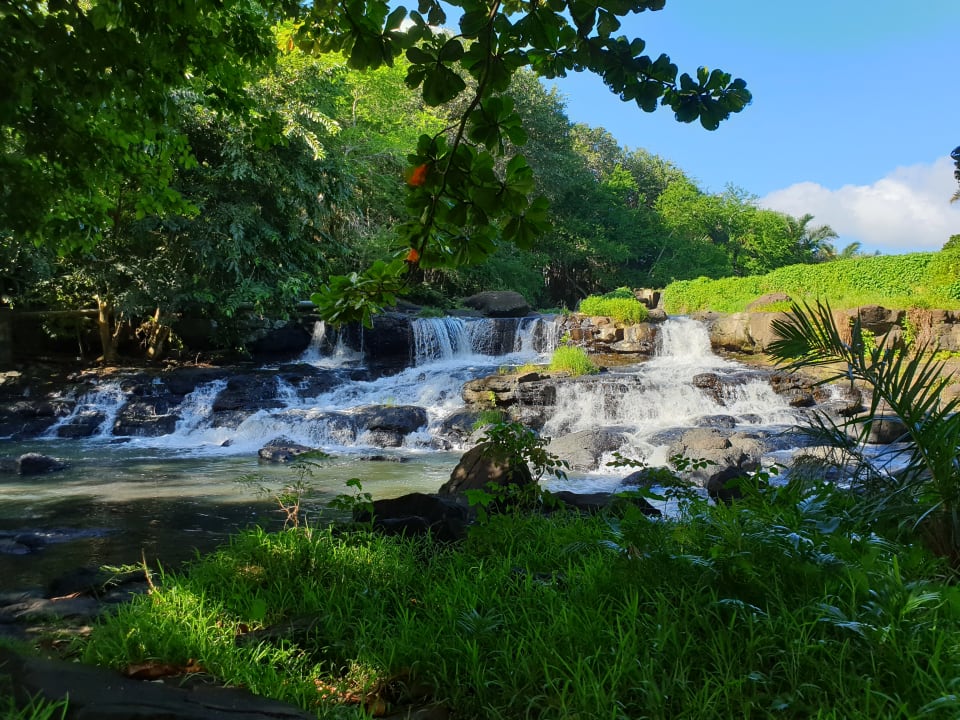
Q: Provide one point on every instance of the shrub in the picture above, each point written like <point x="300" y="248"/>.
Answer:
<point x="572" y="360"/>
<point x="621" y="309"/>
<point x="894" y="281"/>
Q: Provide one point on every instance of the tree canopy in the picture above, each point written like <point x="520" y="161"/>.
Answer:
<point x="87" y="135"/>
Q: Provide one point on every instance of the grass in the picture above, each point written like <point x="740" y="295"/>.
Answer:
<point x="782" y="605"/>
<point x="572" y="360"/>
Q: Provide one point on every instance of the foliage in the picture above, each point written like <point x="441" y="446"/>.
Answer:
<point x="615" y="305"/>
<point x="36" y="708"/>
<point x="911" y="280"/>
<point x="781" y="604"/>
<point x="925" y="492"/>
<point x="86" y="104"/>
<point x="359" y="503"/>
<point x="290" y="497"/>
<point x="572" y="360"/>
<point x="468" y="189"/>
<point x="516" y="441"/>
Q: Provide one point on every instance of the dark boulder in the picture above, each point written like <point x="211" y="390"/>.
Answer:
<point x="282" y="450"/>
<point x="498" y="304"/>
<point x="250" y="392"/>
<point x="37" y="464"/>
<point x="485" y="464"/>
<point x="445" y="518"/>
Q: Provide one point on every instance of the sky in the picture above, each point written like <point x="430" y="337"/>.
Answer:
<point x="856" y="107"/>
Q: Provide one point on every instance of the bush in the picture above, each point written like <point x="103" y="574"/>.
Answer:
<point x="572" y="360"/>
<point x="615" y="305"/>
<point x="894" y="281"/>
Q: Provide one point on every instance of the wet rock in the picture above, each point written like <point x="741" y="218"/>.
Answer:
<point x="390" y="342"/>
<point x="282" y="450"/>
<point x="728" y="456"/>
<point x="107" y="695"/>
<point x="398" y="419"/>
<point x="37" y="464"/>
<point x="883" y="429"/>
<point x="145" y="418"/>
<point x="444" y="517"/>
<point x="592" y="503"/>
<point x="286" y="340"/>
<point x="84" y="424"/>
<point x="727" y="422"/>
<point x="248" y="393"/>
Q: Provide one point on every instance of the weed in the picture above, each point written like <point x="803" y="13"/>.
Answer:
<point x="290" y="496"/>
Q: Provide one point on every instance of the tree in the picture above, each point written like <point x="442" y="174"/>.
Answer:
<point x="460" y="202"/>
<point x="85" y="103"/>
<point x="956" y="173"/>
<point x="89" y="110"/>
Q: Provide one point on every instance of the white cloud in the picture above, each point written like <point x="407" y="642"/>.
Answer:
<point x="909" y="210"/>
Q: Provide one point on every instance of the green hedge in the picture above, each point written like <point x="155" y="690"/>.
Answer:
<point x="912" y="280"/>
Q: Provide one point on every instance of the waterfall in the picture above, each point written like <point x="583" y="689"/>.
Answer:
<point x="328" y="352"/>
<point x="442" y="338"/>
<point x="660" y="394"/>
<point x="452" y="338"/>
<point x="99" y="406"/>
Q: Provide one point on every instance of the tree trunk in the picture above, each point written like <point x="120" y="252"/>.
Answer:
<point x="105" y="326"/>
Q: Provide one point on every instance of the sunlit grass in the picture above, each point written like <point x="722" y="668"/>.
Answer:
<point x="780" y="606"/>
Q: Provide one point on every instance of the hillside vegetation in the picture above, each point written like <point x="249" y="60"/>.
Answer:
<point x="930" y="280"/>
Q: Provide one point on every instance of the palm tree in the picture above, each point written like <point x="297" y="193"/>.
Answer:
<point x="956" y="173"/>
<point x="904" y="386"/>
<point x="809" y="241"/>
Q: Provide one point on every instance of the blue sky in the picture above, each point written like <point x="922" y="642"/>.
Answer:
<point x="856" y="107"/>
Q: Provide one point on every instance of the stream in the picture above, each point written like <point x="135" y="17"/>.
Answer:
<point x="168" y="497"/>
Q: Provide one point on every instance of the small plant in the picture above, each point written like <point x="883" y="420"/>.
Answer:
<point x="572" y="360"/>
<point x="357" y="504"/>
<point x="487" y="417"/>
<point x="290" y="496"/>
<point x="516" y="441"/>
<point x="926" y="491"/>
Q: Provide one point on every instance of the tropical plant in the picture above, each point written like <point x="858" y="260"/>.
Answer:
<point x="902" y="386"/>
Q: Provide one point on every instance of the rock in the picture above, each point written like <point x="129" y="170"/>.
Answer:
<point x="286" y="340"/>
<point x="444" y="517"/>
<point x="37" y="464"/>
<point x="728" y="456"/>
<point x="774" y="298"/>
<point x="584" y="448"/>
<point x="83" y="424"/>
<point x="499" y="303"/>
<point x="281" y="450"/>
<point x="884" y="429"/>
<point x="491" y="391"/>
<point x="107" y="695"/>
<point x="145" y="418"/>
<point x="650" y="477"/>
<point x="388" y="425"/>
<point x="591" y="503"/>
<point x="726" y="422"/>
<point x="482" y="465"/>
<point x="390" y="342"/>
<point x="248" y="393"/>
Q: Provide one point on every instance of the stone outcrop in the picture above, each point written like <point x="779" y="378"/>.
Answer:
<point x="499" y="304"/>
<point x="603" y="335"/>
<point x="482" y="465"/>
<point x="583" y="449"/>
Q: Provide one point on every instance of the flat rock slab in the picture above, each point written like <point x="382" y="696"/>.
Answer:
<point x="99" y="694"/>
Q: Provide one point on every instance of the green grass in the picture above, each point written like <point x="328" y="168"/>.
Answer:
<point x="572" y="360"/>
<point x="619" y="305"/>
<point x="779" y="606"/>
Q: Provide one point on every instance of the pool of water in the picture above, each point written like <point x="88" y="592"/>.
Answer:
<point x="115" y="505"/>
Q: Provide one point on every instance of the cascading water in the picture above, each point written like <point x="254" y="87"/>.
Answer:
<point x="684" y="385"/>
